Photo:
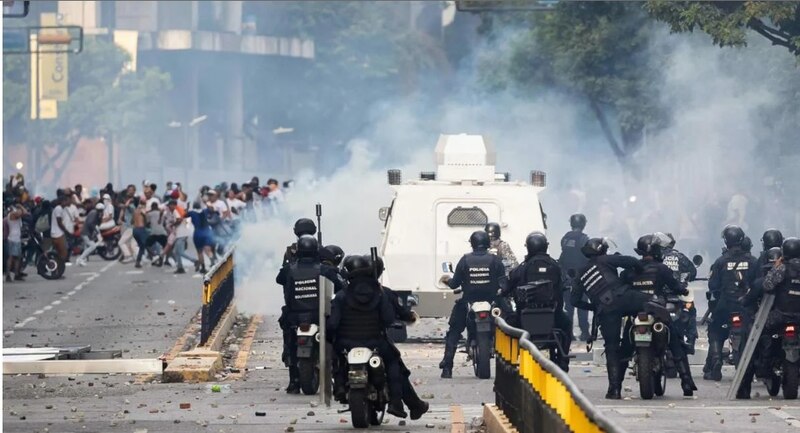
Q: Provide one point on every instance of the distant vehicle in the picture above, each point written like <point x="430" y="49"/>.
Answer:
<point x="431" y="218"/>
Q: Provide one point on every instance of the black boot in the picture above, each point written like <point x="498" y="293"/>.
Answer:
<point x="416" y="406"/>
<point x="614" y="381"/>
<point x="447" y="361"/>
<point x="294" y="381"/>
<point x="396" y="408"/>
<point x="715" y="363"/>
<point x="687" y="383"/>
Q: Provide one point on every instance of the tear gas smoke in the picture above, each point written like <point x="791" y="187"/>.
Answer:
<point x="701" y="172"/>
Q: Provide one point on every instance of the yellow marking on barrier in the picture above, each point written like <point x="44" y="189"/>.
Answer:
<point x="514" y="351"/>
<point x="209" y="288"/>
<point x="555" y="395"/>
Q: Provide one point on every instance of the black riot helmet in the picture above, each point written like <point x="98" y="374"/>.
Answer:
<point x="333" y="254"/>
<point x="733" y="236"/>
<point x="595" y="247"/>
<point x="307" y="246"/>
<point x="536" y="243"/>
<point x="648" y="245"/>
<point x="772" y="256"/>
<point x="357" y="266"/>
<point x="479" y="240"/>
<point x="671" y="243"/>
<point x="771" y="238"/>
<point x="493" y="230"/>
<point x="747" y="244"/>
<point x="791" y="248"/>
<point x="577" y="221"/>
<point x="304" y="226"/>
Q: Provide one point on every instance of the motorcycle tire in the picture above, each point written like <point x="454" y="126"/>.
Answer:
<point x="483" y="356"/>
<point x="660" y="384"/>
<point x="644" y="373"/>
<point x="110" y="250"/>
<point x="790" y="380"/>
<point x="309" y="376"/>
<point x="50" y="266"/>
<point x="376" y="417"/>
<point x="773" y="385"/>
<point x="360" y="409"/>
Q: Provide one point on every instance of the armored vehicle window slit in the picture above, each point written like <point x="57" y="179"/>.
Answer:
<point x="467" y="217"/>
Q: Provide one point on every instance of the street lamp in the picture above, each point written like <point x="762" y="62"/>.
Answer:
<point x="190" y="124"/>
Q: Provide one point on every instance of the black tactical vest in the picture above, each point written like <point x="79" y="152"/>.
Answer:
<point x="647" y="280"/>
<point x="787" y="295"/>
<point x="361" y="321"/>
<point x="595" y="283"/>
<point x="304" y="287"/>
<point x="734" y="276"/>
<point x="539" y="288"/>
<point x="479" y="284"/>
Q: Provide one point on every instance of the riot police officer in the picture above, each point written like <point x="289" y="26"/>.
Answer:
<point x="656" y="280"/>
<point x="300" y="281"/>
<point x="302" y="226"/>
<point x="727" y="283"/>
<point x="611" y="300"/>
<point x="480" y="275"/>
<point x="772" y="238"/>
<point x="332" y="255"/>
<point x="684" y="271"/>
<point x="360" y="314"/>
<point x="537" y="281"/>
<point x="500" y="247"/>
<point x="759" y="363"/>
<point x="571" y="260"/>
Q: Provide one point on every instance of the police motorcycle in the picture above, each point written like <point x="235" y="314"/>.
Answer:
<point x="790" y="362"/>
<point x="480" y="332"/>
<point x="681" y="311"/>
<point x="538" y="319"/>
<point x="367" y="384"/>
<point x="648" y="337"/>
<point x="308" y="339"/>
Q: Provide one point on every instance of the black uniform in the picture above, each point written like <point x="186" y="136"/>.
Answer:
<point x="727" y="283"/>
<point x="359" y="317"/>
<point x="300" y="282"/>
<point x="572" y="259"/>
<point x="480" y="275"/>
<point x="540" y="268"/>
<point x="612" y="300"/>
<point x="684" y="271"/>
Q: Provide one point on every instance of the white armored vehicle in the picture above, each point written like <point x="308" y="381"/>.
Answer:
<point x="431" y="218"/>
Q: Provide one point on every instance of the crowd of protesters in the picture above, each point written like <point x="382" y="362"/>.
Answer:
<point x="148" y="224"/>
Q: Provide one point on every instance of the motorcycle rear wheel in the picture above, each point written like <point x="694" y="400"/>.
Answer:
<point x="483" y="355"/>
<point x="360" y="410"/>
<point x="790" y="380"/>
<point x="309" y="376"/>
<point x="644" y="373"/>
<point x="50" y="266"/>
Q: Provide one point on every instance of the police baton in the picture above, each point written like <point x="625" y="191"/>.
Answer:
<point x="319" y="224"/>
<point x="373" y="252"/>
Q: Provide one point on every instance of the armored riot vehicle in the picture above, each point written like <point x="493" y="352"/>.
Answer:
<point x="430" y="219"/>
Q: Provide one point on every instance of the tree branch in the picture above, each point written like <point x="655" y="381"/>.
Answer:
<point x="771" y="33"/>
<point x="601" y="117"/>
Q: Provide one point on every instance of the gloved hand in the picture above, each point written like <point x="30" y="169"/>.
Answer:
<point x="708" y="296"/>
<point x="685" y="292"/>
<point x="445" y="280"/>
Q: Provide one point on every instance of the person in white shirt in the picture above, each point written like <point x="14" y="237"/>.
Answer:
<point x="236" y="205"/>
<point x="57" y="228"/>
<point x="107" y="220"/>
<point x="14" y="221"/>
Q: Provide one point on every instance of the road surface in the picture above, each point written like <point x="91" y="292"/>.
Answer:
<point x="144" y="312"/>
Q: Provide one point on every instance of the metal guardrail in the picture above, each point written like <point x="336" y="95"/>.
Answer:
<point x="535" y="394"/>
<point x="218" y="291"/>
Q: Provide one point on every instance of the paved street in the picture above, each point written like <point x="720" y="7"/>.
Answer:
<point x="99" y="303"/>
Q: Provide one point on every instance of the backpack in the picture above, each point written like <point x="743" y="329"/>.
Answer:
<point x="43" y="223"/>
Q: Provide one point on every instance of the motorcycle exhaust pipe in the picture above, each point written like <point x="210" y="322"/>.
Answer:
<point x="377" y="374"/>
<point x="316" y="337"/>
<point x="375" y="362"/>
<point x="659" y="327"/>
<point x="496" y="312"/>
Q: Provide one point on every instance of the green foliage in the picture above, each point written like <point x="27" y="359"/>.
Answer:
<point x="727" y="22"/>
<point x="102" y="100"/>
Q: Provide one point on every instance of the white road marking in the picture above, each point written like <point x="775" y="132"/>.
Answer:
<point x="79" y="287"/>
<point x="7" y="333"/>
<point x="790" y="419"/>
<point x="136" y="272"/>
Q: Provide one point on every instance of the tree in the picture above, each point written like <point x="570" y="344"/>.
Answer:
<point x="103" y="102"/>
<point x="727" y="22"/>
<point x="596" y="52"/>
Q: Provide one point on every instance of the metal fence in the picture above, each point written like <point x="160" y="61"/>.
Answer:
<point x="535" y="394"/>
<point x="217" y="294"/>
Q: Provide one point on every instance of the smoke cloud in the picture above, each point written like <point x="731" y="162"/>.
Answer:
<point x="706" y="169"/>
